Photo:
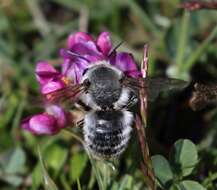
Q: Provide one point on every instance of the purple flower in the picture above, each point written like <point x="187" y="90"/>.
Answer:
<point x="45" y="72"/>
<point x="48" y="77"/>
<point x="125" y="62"/>
<point x="47" y="123"/>
<point x="54" y="118"/>
<point x="83" y="51"/>
<point x="104" y="43"/>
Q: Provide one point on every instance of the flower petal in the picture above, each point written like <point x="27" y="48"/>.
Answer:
<point x="45" y="72"/>
<point x="25" y="123"/>
<point x="134" y="74"/>
<point x="125" y="62"/>
<point x="52" y="86"/>
<point x="77" y="38"/>
<point x="75" y="70"/>
<point x="104" y="43"/>
<point x="65" y="66"/>
<point x="41" y="124"/>
<point x="88" y="50"/>
<point x="59" y="114"/>
<point x="144" y="65"/>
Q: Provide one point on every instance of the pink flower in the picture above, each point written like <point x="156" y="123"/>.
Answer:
<point x="47" y="123"/>
<point x="125" y="62"/>
<point x="48" y="77"/>
<point x="82" y="51"/>
<point x="54" y="118"/>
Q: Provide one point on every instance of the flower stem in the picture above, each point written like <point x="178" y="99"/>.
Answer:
<point x="182" y="40"/>
<point x="141" y="125"/>
<point x="199" y="51"/>
<point x="92" y="161"/>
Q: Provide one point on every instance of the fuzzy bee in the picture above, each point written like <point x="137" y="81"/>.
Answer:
<point x="109" y="95"/>
<point x="203" y="95"/>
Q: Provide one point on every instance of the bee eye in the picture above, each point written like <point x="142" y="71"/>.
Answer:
<point x="87" y="82"/>
<point x="85" y="70"/>
<point x="122" y="79"/>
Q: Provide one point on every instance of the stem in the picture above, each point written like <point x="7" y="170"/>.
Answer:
<point x="38" y="17"/>
<point x="105" y="174"/>
<point x="196" y="5"/>
<point x="212" y="177"/>
<point x="199" y="51"/>
<point x="141" y="125"/>
<point x="141" y="14"/>
<point x="92" y="161"/>
<point x="47" y="181"/>
<point x="78" y="184"/>
<point x="182" y="40"/>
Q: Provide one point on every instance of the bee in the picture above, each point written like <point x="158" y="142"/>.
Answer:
<point x="203" y="95"/>
<point x="109" y="94"/>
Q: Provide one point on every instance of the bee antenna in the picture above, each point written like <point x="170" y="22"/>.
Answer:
<point x="115" y="48"/>
<point x="76" y="55"/>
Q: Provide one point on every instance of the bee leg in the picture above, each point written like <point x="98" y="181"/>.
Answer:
<point x="81" y="106"/>
<point x="132" y="101"/>
<point x="80" y="123"/>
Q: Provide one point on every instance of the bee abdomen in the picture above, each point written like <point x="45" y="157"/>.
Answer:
<point x="109" y="137"/>
<point x="108" y="145"/>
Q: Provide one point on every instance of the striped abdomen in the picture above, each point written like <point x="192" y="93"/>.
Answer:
<point x="107" y="133"/>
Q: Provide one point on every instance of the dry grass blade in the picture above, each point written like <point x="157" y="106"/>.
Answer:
<point x="197" y="5"/>
<point x="146" y="165"/>
<point x="140" y="126"/>
<point x="49" y="184"/>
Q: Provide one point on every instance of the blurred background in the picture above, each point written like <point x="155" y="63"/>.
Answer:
<point x="182" y="45"/>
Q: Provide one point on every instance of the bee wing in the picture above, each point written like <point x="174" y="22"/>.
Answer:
<point x="155" y="85"/>
<point x="203" y="95"/>
<point x="69" y="93"/>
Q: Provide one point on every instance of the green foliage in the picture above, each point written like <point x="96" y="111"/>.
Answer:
<point x="11" y="166"/>
<point x="49" y="184"/>
<point x="189" y="185"/>
<point x="171" y="174"/>
<point x="184" y="157"/>
<point x="56" y="156"/>
<point x="162" y="170"/>
<point x="77" y="165"/>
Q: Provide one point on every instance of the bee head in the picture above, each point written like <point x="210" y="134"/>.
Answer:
<point x="104" y="83"/>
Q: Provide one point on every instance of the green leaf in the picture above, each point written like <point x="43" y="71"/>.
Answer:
<point x="175" y="187"/>
<point x="48" y="182"/>
<point x="92" y="160"/>
<point x="184" y="157"/>
<point x="162" y="170"/>
<point x="126" y="183"/>
<point x="4" y="22"/>
<point x="13" y="161"/>
<point x="64" y="181"/>
<point x="183" y="35"/>
<point x="190" y="185"/>
<point x="13" y="180"/>
<point x="200" y="50"/>
<point x="78" y="184"/>
<point x="36" y="177"/>
<point x="77" y="165"/>
<point x="7" y="115"/>
<point x="58" y="155"/>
